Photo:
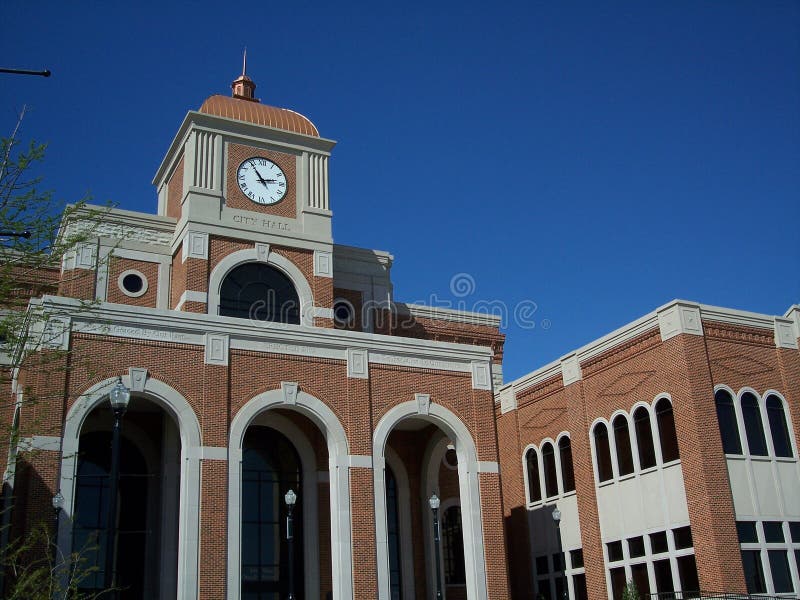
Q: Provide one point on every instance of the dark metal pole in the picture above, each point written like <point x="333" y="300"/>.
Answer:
<point x="22" y="234"/>
<point x="111" y="517"/>
<point x="45" y="73"/>
<point x="290" y="539"/>
<point x="563" y="559"/>
<point x="436" y="552"/>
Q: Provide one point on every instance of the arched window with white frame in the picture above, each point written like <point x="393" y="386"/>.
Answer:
<point x="602" y="452"/>
<point x="778" y="428"/>
<point x="644" y="438"/>
<point x="753" y="425"/>
<point x="665" y="419"/>
<point x="622" y="441"/>
<point x="567" y="468"/>
<point x="532" y="467"/>
<point x="728" y="425"/>
<point x="550" y="471"/>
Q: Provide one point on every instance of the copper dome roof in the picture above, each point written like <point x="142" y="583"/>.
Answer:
<point x="260" y="114"/>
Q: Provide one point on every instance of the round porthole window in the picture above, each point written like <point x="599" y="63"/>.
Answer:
<point x="132" y="283"/>
<point x="343" y="312"/>
<point x="450" y="458"/>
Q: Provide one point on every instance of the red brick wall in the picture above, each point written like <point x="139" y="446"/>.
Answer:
<point x="175" y="191"/>
<point x="119" y="265"/>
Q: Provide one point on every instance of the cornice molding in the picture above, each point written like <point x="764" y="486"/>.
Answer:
<point x="448" y="314"/>
<point x="134" y="322"/>
<point x="650" y="321"/>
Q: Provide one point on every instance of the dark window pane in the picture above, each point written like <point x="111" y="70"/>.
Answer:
<point x="614" y="551"/>
<point x="617" y="582"/>
<point x="663" y="572"/>
<point x="544" y="589"/>
<point x="259" y="292"/>
<point x="549" y="462"/>
<point x="773" y="532"/>
<point x="604" y="471"/>
<point x="453" y="546"/>
<point x="644" y="438"/>
<point x="779" y="565"/>
<point x="665" y="419"/>
<point x="753" y="571"/>
<point x="558" y="562"/>
<point x="579" y="587"/>
<point x="622" y="439"/>
<point x="778" y="427"/>
<point x="561" y="588"/>
<point x="728" y="428"/>
<point x="636" y="547"/>
<point x="132" y="283"/>
<point x="393" y="534"/>
<point x="683" y="537"/>
<point x="567" y="471"/>
<point x="747" y="532"/>
<point x="576" y="558"/>
<point x="639" y="576"/>
<point x="753" y="426"/>
<point x="541" y="565"/>
<point x="794" y="532"/>
<point x="271" y="466"/>
<point x="658" y="542"/>
<point x="534" y="489"/>
<point x="687" y="571"/>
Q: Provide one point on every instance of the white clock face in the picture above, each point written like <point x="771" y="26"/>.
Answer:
<point x="261" y="180"/>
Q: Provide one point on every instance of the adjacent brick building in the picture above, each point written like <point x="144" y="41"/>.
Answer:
<point x="262" y="357"/>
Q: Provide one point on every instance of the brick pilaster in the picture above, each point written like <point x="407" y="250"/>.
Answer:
<point x="705" y="473"/>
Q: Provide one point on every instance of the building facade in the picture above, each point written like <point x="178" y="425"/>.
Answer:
<point x="262" y="357"/>
<point x="669" y="448"/>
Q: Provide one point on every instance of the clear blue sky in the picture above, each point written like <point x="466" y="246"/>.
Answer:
<point x="596" y="158"/>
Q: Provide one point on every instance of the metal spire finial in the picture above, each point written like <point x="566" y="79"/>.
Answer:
<point x="244" y="62"/>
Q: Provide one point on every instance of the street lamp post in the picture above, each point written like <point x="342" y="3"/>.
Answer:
<point x="557" y="520"/>
<point x="434" y="502"/>
<point x="119" y="398"/>
<point x="58" y="504"/>
<point x="290" y="498"/>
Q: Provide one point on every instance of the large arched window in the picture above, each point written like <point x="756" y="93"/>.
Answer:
<point x="567" y="470"/>
<point x="259" y="292"/>
<point x="550" y="476"/>
<point x="665" y="418"/>
<point x="603" y="451"/>
<point x="728" y="427"/>
<point x="644" y="438"/>
<point x="270" y="468"/>
<point x="778" y="427"/>
<point x="91" y="509"/>
<point x="622" y="439"/>
<point x="532" y="465"/>
<point x="753" y="425"/>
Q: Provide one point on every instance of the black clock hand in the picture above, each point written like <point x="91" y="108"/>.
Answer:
<point x="261" y="180"/>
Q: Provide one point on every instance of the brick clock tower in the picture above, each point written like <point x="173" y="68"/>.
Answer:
<point x="245" y="170"/>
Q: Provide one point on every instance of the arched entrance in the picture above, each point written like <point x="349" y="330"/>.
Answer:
<point x="145" y="554"/>
<point x="437" y="451"/>
<point x="314" y="433"/>
<point x="175" y="457"/>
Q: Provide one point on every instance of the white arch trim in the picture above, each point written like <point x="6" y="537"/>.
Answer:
<point x="469" y="491"/>
<point x="272" y="259"/>
<point x="338" y="462"/>
<point x="189" y="427"/>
